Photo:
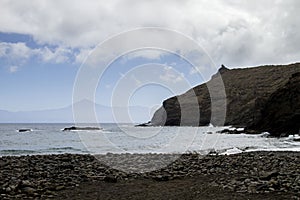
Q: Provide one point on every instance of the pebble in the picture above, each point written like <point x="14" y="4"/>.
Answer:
<point x="161" y="178"/>
<point x="41" y="176"/>
<point x="28" y="190"/>
<point x="110" y="179"/>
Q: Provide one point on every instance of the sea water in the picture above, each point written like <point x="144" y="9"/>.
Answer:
<point x="126" y="138"/>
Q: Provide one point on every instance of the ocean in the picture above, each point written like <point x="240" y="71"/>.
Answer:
<point x="126" y="138"/>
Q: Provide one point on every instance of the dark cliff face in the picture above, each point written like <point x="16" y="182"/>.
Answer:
<point x="247" y="92"/>
<point x="281" y="113"/>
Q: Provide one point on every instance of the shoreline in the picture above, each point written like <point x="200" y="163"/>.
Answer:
<point x="264" y="174"/>
<point x="212" y="152"/>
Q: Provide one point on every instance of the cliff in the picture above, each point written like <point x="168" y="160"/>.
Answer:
<point x="281" y="113"/>
<point x="250" y="96"/>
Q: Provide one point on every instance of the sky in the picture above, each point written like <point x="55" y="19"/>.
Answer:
<point x="44" y="44"/>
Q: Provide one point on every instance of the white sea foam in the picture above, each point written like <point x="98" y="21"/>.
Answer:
<point x="50" y="139"/>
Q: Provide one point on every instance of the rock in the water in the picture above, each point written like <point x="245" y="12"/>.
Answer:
<point x="75" y="128"/>
<point x="297" y="139"/>
<point x="232" y="131"/>
<point x="144" y="124"/>
<point x="24" y="130"/>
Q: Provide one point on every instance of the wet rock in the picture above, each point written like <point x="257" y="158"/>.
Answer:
<point x="24" y="130"/>
<point x="232" y="131"/>
<point x="297" y="139"/>
<point x="161" y="178"/>
<point x="61" y="187"/>
<point x="268" y="175"/>
<point x="144" y="124"/>
<point x="110" y="179"/>
<point x="3" y="164"/>
<point x="258" y="172"/>
<point x="8" y="190"/>
<point x="26" y="183"/>
<point x="28" y="190"/>
<point x="75" y="128"/>
<point x="50" y="193"/>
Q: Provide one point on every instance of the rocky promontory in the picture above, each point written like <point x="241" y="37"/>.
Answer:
<point x="264" y="98"/>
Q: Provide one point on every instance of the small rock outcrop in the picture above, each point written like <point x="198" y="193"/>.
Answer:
<point x="75" y="128"/>
<point x="24" y="130"/>
<point x="144" y="124"/>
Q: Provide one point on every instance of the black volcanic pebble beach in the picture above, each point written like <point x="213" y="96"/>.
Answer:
<point x="247" y="175"/>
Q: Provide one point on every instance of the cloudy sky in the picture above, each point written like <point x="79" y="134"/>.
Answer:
<point x="44" y="42"/>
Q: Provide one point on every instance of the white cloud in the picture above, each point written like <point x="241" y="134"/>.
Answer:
<point x="171" y="76"/>
<point x="58" y="55"/>
<point x="194" y="70"/>
<point x="82" y="55"/>
<point x="233" y="32"/>
<point x="137" y="82"/>
<point x="146" y="53"/>
<point x="20" y="53"/>
<point x="16" y="50"/>
<point x="13" y="69"/>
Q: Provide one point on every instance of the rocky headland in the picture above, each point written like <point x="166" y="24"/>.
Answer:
<point x="264" y="98"/>
<point x="281" y="113"/>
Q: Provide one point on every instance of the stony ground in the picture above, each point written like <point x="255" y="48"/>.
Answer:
<point x="257" y="175"/>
